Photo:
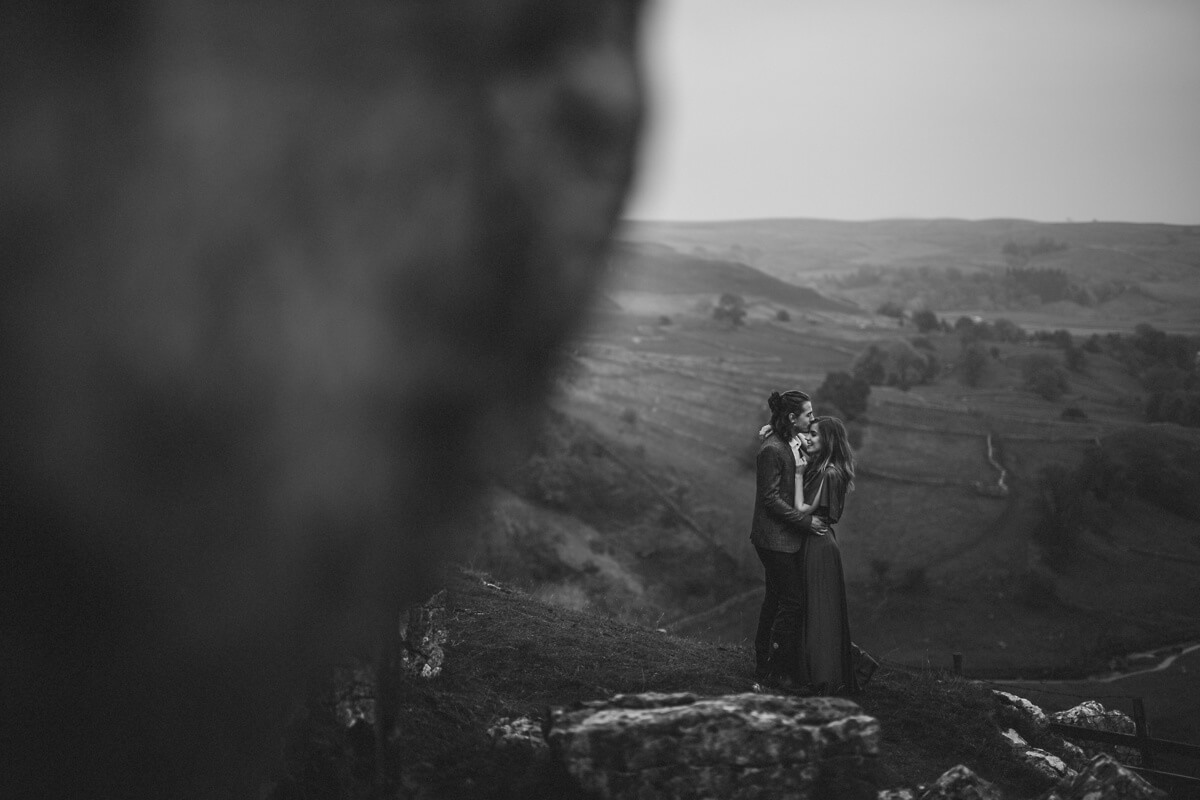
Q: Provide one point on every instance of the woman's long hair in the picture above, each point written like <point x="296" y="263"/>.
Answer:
<point x="836" y="454"/>
<point x="790" y="402"/>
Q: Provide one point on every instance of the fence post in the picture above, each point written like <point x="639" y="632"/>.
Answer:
<point x="958" y="664"/>
<point x="1143" y="732"/>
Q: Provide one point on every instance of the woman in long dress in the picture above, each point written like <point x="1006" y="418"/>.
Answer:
<point x="828" y="659"/>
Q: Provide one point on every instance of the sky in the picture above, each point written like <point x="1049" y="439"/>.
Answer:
<point x="1047" y="110"/>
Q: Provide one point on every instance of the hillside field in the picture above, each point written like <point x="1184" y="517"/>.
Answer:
<point x="647" y="475"/>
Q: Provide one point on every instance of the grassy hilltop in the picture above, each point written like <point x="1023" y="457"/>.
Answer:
<point x="511" y="655"/>
<point x="636" y="501"/>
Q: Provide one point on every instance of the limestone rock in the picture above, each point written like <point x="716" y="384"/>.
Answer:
<point x="1093" y="715"/>
<point x="1071" y="753"/>
<point x="1048" y="764"/>
<point x="518" y="732"/>
<point x="1044" y="762"/>
<point x="960" y="783"/>
<point x="1106" y="779"/>
<point x="743" y="746"/>
<point x="354" y="694"/>
<point x="424" y="636"/>
<point x="1014" y="739"/>
<point x="1011" y="705"/>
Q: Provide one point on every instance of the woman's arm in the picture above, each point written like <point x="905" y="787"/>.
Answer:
<point x="811" y="497"/>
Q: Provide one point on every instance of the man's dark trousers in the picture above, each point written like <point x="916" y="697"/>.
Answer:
<point x="777" y="638"/>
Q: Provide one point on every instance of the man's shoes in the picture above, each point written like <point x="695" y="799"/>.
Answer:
<point x="782" y="684"/>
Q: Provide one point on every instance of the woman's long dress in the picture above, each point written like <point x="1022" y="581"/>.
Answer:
<point x="826" y="653"/>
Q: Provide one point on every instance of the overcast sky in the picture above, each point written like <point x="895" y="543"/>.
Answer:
<point x="865" y="109"/>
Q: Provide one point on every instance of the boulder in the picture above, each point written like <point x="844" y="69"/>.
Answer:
<point x="959" y="783"/>
<point x="1094" y="716"/>
<point x="742" y="746"/>
<point x="1106" y="779"/>
<point x="1013" y="708"/>
<point x="1044" y="762"/>
<point x="521" y="732"/>
<point x="1091" y="714"/>
<point x="423" y="637"/>
<point x="1047" y="764"/>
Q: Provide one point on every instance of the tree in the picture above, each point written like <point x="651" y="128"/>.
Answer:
<point x="1044" y="377"/>
<point x="974" y="365"/>
<point x="871" y="366"/>
<point x="926" y="321"/>
<point x="890" y="308"/>
<point x="732" y="308"/>
<point x="1074" y="358"/>
<point x="848" y="393"/>
<point x="1008" y="331"/>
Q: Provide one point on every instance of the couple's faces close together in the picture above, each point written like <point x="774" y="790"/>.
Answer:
<point x="804" y="423"/>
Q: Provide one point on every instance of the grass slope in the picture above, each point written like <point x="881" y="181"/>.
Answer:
<point x="511" y="655"/>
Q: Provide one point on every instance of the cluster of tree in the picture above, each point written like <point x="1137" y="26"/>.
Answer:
<point x="843" y="395"/>
<point x="1070" y="504"/>
<point x="1023" y="252"/>
<point x="895" y="364"/>
<point x="890" y="308"/>
<point x="1166" y="364"/>
<point x="1047" y="284"/>
<point x="730" y="308"/>
<point x="569" y="470"/>
<point x="1044" y="376"/>
<point x="976" y="330"/>
<point x="1148" y="464"/>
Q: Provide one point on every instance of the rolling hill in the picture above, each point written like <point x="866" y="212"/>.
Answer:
<point x="637" y="501"/>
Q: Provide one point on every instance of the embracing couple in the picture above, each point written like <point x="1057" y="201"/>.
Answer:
<point x="805" y="467"/>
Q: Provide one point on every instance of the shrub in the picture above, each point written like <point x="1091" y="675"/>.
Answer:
<point x="730" y="308"/>
<point x="973" y="366"/>
<point x="890" y="309"/>
<point x="1008" y="331"/>
<point x="1065" y="513"/>
<point x="1044" y="377"/>
<point x="1074" y="358"/>
<point x="895" y="364"/>
<point x="1181" y="407"/>
<point x="926" y="321"/>
<point x="847" y="392"/>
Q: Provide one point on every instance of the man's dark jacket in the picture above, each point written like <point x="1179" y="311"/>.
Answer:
<point x="777" y="525"/>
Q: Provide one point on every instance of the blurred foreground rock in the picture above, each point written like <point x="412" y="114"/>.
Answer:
<point x="650" y="746"/>
<point x="282" y="285"/>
